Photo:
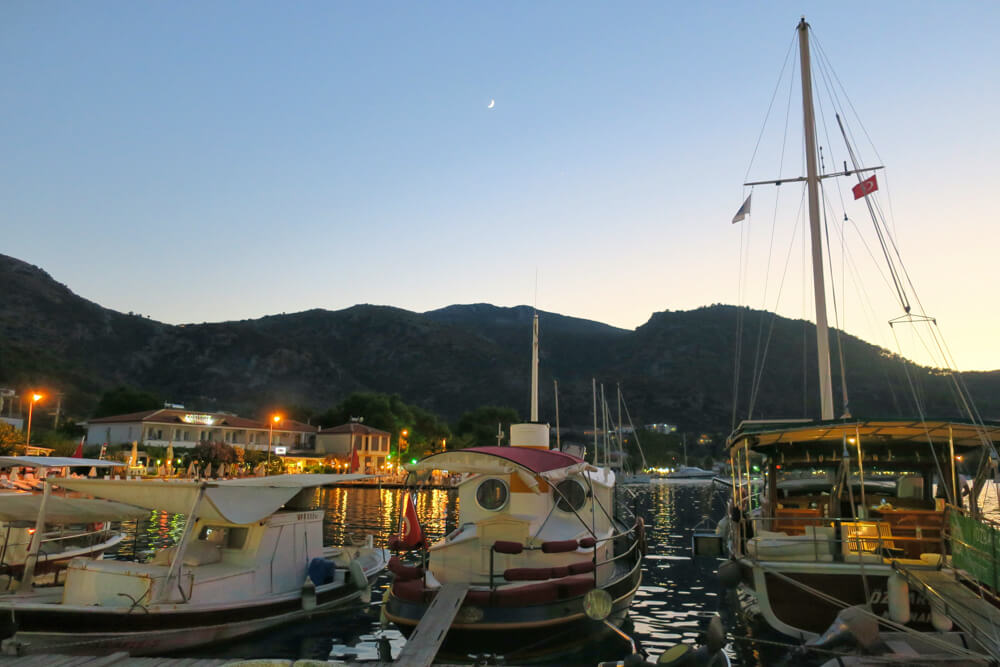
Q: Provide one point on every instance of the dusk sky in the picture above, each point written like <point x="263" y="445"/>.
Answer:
<point x="208" y="161"/>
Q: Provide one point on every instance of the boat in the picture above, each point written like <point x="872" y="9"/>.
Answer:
<point x="539" y="529"/>
<point x="854" y="511"/>
<point x="691" y="472"/>
<point x="74" y="527"/>
<point x="251" y="557"/>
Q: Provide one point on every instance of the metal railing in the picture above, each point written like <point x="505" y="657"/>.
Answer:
<point x="851" y="538"/>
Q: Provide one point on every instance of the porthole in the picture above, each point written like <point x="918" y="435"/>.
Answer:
<point x="570" y="495"/>
<point x="491" y="494"/>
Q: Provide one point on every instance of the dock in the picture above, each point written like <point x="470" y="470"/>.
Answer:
<point x="423" y="644"/>
<point x="951" y="597"/>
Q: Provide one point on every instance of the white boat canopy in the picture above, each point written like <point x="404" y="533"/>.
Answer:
<point x="552" y="466"/>
<point x="57" y="462"/>
<point x="239" y="501"/>
<point x="59" y="510"/>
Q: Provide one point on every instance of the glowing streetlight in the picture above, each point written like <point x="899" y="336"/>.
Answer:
<point x="270" y="436"/>
<point x="35" y="397"/>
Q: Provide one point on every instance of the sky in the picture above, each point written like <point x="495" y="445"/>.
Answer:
<point x="209" y="161"/>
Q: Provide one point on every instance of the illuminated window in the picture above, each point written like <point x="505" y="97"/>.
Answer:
<point x="492" y="494"/>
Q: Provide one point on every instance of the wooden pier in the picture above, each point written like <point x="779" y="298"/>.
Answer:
<point x="423" y="644"/>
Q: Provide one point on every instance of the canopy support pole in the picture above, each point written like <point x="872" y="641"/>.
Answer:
<point x="36" y="542"/>
<point x="175" y="565"/>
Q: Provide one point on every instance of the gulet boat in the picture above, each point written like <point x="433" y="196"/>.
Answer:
<point x="539" y="529"/>
<point x="251" y="557"/>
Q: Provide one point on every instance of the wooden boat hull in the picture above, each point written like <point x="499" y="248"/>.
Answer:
<point x="797" y="612"/>
<point x="162" y="628"/>
<point x="521" y="632"/>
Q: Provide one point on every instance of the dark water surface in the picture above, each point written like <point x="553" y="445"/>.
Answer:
<point x="678" y="594"/>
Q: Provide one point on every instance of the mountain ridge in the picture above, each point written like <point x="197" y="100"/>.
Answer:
<point x="676" y="367"/>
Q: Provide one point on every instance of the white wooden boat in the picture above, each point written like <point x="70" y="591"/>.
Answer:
<point x="251" y="557"/>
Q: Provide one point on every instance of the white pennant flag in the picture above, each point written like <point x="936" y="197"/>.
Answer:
<point x="744" y="210"/>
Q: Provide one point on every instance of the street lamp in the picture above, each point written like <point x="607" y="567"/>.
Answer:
<point x="270" y="435"/>
<point x="35" y="397"/>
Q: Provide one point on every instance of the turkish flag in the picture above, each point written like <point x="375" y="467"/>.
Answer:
<point x="78" y="454"/>
<point x="354" y="460"/>
<point x="865" y="187"/>
<point x="411" y="534"/>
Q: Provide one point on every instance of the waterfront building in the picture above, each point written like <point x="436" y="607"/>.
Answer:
<point x="371" y="444"/>
<point x="187" y="428"/>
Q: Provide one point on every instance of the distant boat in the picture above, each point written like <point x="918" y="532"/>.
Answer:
<point x="691" y="472"/>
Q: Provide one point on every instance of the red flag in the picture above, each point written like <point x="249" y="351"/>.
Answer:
<point x="865" y="188"/>
<point x="411" y="534"/>
<point x="354" y="460"/>
<point x="78" y="454"/>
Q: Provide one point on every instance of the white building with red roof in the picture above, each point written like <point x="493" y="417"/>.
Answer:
<point x="187" y="428"/>
<point x="372" y="445"/>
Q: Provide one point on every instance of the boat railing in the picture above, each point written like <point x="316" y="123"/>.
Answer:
<point x="564" y="546"/>
<point x="975" y="544"/>
<point x="841" y="539"/>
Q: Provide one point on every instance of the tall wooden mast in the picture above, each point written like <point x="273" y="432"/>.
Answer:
<point x="812" y="180"/>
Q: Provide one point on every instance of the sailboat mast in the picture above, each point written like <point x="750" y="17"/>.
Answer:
<point x="812" y="180"/>
<point x="534" y="370"/>
<point x="593" y="388"/>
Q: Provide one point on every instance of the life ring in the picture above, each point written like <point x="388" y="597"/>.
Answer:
<point x="640" y="534"/>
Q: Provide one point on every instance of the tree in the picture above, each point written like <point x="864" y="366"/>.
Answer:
<point x="388" y="412"/>
<point x="214" y="453"/>
<point x="10" y="439"/>
<point x="124" y="400"/>
<point x="478" y="428"/>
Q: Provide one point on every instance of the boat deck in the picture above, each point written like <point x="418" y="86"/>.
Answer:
<point x="970" y="612"/>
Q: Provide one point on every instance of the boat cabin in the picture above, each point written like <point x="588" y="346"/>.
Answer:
<point x="523" y="507"/>
<point x="875" y="491"/>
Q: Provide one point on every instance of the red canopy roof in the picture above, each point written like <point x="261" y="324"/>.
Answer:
<point x="536" y="460"/>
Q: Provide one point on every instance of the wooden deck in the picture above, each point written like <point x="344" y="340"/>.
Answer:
<point x="970" y="612"/>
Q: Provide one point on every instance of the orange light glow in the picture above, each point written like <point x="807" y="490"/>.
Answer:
<point x="37" y="397"/>
<point x="276" y="418"/>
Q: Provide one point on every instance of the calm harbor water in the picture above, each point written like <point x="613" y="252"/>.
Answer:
<point x="678" y="594"/>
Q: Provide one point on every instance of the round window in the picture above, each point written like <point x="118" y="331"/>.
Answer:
<point x="570" y="495"/>
<point x="491" y="494"/>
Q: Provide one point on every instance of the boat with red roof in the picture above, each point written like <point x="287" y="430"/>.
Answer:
<point x="539" y="529"/>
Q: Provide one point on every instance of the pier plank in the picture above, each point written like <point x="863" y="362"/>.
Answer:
<point x="426" y="639"/>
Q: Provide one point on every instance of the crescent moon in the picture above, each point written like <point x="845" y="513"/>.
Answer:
<point x="491" y="104"/>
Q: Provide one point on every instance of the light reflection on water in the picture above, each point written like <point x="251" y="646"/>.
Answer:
<point x="677" y="597"/>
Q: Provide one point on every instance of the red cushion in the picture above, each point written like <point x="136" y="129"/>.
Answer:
<point x="559" y="546"/>
<point x="527" y="574"/>
<point x="581" y="567"/>
<point x="574" y="586"/>
<point x="403" y="571"/>
<point x="588" y="542"/>
<point x="413" y="590"/>
<point x="561" y="571"/>
<point x="516" y="596"/>
<point x="505" y="547"/>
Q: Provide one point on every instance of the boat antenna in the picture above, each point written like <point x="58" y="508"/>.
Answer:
<point x="556" y="391"/>
<point x="593" y="389"/>
<point x="534" y="369"/>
